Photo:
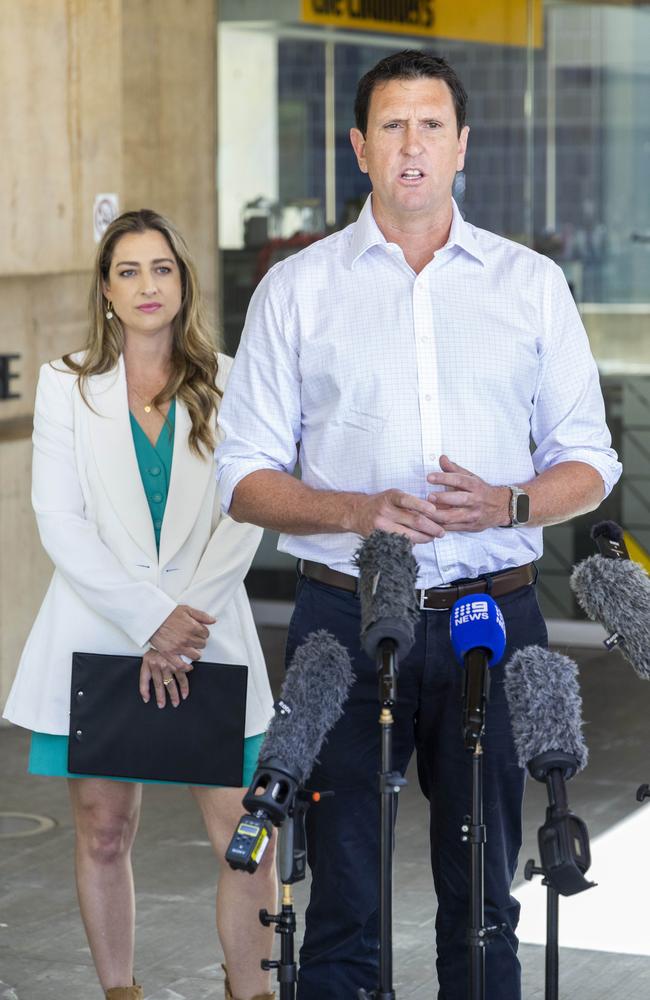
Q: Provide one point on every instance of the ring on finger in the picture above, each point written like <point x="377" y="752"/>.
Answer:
<point x="167" y="681"/>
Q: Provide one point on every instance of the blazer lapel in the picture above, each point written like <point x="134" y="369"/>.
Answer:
<point x="190" y="478"/>
<point x="114" y="454"/>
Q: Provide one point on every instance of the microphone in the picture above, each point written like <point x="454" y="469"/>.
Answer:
<point x="311" y="701"/>
<point x="610" y="540"/>
<point x="478" y="637"/>
<point x="615" y="591"/>
<point x="387" y="576"/>
<point x="546" y="714"/>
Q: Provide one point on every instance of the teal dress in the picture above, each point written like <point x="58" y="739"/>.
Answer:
<point x="49" y="752"/>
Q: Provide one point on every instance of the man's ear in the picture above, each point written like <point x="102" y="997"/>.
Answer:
<point x="462" y="147"/>
<point x="358" y="141"/>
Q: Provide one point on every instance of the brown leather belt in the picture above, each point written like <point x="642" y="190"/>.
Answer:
<point x="435" y="598"/>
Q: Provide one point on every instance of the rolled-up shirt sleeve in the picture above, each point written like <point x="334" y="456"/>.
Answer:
<point x="260" y="414"/>
<point x="568" y="422"/>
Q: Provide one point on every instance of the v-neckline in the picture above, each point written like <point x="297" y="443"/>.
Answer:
<point x="166" y="424"/>
<point x="144" y="433"/>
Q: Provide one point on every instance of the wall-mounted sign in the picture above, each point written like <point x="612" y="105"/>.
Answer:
<point x="105" y="209"/>
<point x="7" y="375"/>
<point x="497" y="22"/>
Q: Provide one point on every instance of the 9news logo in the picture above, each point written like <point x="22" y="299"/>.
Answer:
<point x="477" y="611"/>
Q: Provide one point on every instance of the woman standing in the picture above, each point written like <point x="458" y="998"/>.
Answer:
<point x="125" y="497"/>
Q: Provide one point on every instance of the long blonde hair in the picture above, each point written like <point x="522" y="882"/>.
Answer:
<point x="194" y="348"/>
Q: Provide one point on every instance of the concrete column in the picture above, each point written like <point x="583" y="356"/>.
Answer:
<point x="98" y="96"/>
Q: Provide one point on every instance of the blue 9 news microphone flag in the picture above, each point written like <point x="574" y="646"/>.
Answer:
<point x="478" y="637"/>
<point x="476" y="623"/>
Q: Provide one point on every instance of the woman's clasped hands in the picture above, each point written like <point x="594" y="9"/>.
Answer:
<point x="179" y="640"/>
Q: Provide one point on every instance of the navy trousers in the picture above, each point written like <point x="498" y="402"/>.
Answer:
<point x="340" y="948"/>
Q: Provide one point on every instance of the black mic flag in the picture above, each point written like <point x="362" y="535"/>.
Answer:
<point x="387" y="576"/>
<point x="610" y="540"/>
<point x="614" y="591"/>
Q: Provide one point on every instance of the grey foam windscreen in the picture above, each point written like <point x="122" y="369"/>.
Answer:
<point x="314" y="691"/>
<point x="387" y="576"/>
<point x="545" y="704"/>
<point x="616" y="593"/>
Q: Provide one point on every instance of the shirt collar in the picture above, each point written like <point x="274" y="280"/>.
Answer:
<point x="366" y="234"/>
<point x="462" y="235"/>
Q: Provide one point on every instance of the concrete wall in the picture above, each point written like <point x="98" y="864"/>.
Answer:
<point x="98" y="96"/>
<point x="248" y="157"/>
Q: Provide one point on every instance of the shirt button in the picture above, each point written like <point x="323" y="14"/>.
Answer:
<point x="428" y="397"/>
<point x="154" y="470"/>
<point x="433" y="456"/>
<point x="424" y="339"/>
<point x="156" y="497"/>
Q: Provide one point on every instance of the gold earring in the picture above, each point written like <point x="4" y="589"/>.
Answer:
<point x="109" y="310"/>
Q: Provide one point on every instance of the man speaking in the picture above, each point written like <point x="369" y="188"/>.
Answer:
<point x="409" y="360"/>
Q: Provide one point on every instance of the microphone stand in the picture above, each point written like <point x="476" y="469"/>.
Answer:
<point x="564" y="851"/>
<point x="390" y="783"/>
<point x="293" y="861"/>
<point x="475" y="697"/>
<point x="552" y="957"/>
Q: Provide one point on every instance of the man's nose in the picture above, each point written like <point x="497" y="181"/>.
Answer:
<point x="412" y="144"/>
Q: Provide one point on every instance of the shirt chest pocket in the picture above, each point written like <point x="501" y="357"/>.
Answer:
<point x="361" y="420"/>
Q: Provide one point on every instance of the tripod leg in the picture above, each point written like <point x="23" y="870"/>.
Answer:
<point x="285" y="926"/>
<point x="552" y="944"/>
<point x="386" y="861"/>
<point x="477" y="897"/>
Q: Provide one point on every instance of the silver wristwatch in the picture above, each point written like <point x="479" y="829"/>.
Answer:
<point x="519" y="506"/>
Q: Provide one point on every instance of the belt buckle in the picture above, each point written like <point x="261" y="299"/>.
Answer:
<point x="422" y="598"/>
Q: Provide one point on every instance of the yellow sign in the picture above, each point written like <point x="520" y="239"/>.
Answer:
<point x="496" y="22"/>
<point x="637" y="552"/>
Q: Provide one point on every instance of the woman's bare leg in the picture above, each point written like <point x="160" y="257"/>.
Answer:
<point x="106" y="815"/>
<point x="240" y="896"/>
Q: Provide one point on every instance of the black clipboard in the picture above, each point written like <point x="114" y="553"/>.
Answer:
<point x="113" y="733"/>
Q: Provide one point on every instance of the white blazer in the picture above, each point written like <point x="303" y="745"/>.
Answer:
<point x="111" y="589"/>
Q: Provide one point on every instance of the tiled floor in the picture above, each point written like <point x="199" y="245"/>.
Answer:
<point x="43" y="952"/>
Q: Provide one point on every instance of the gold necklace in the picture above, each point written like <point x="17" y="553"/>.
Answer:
<point x="146" y="405"/>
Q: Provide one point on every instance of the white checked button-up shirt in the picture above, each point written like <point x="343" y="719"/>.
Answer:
<point x="375" y="372"/>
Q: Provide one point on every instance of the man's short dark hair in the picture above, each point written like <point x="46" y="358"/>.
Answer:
<point x="409" y="65"/>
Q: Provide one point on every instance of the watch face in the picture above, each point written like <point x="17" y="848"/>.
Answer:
<point x="523" y="508"/>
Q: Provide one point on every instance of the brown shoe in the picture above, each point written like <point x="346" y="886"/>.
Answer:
<point x="125" y="993"/>
<point x="229" y="996"/>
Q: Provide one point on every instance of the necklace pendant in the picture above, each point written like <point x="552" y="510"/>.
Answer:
<point x="147" y="409"/>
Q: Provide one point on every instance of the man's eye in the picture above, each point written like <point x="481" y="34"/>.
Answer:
<point x="392" y="125"/>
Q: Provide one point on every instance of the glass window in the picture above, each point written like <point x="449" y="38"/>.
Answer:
<point x="559" y="157"/>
